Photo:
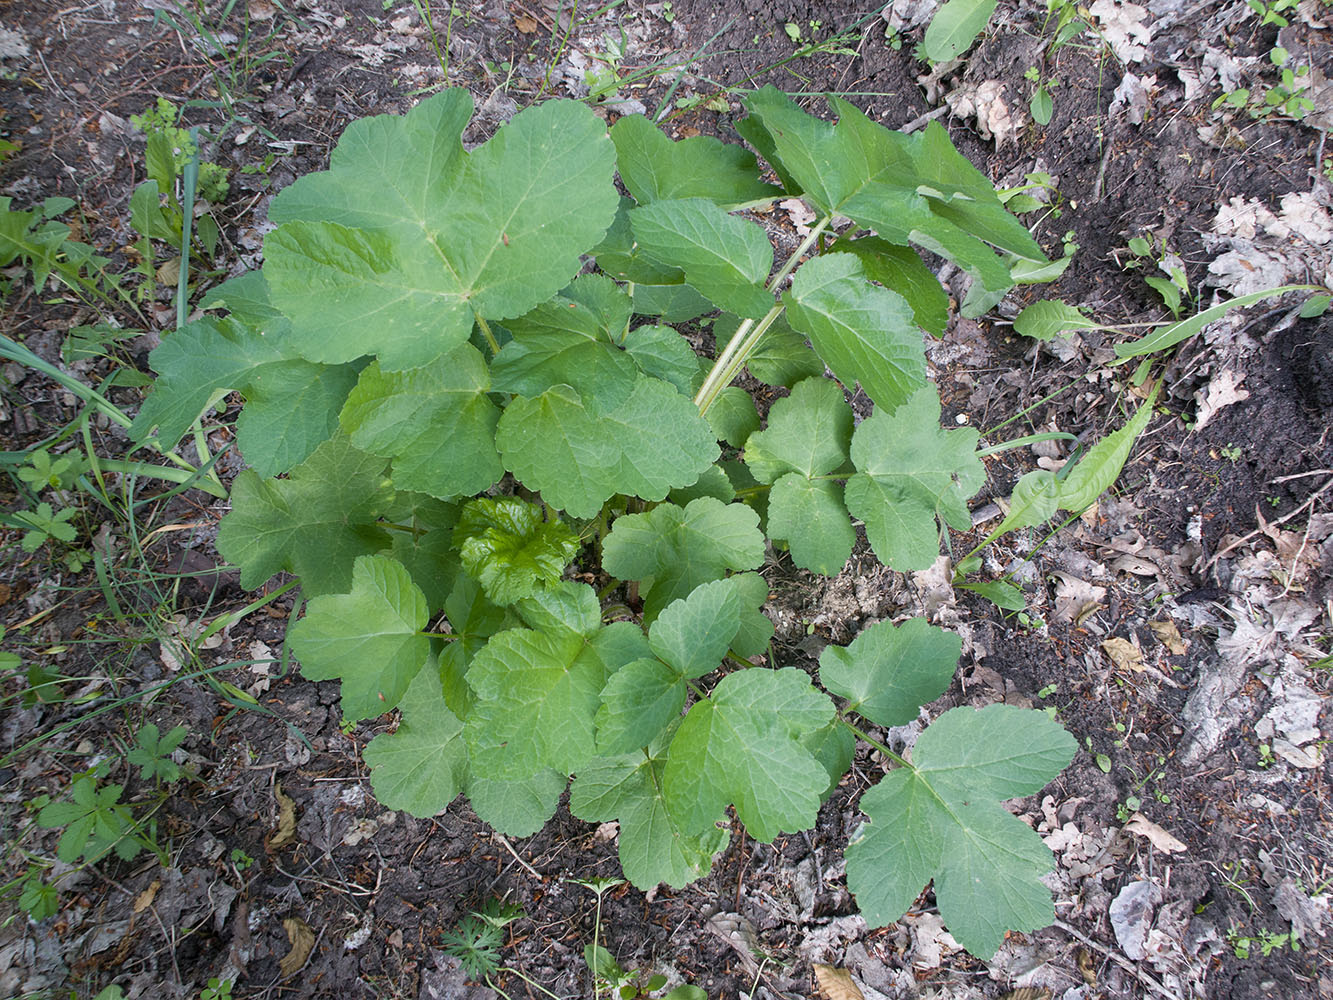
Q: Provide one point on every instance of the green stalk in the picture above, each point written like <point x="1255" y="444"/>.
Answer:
<point x="485" y="329"/>
<point x="747" y="336"/>
<point x="862" y="734"/>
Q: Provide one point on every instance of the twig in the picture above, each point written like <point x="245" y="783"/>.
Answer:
<point x="1309" y="502"/>
<point x="510" y="848"/>
<point x="1125" y="964"/>
<point x="921" y="121"/>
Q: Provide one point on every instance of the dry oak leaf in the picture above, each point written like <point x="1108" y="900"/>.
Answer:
<point x="302" y="938"/>
<point x="1169" y="636"/>
<point x="286" y="831"/>
<point x="836" y="984"/>
<point x="1163" y="841"/>
<point x="1124" y="654"/>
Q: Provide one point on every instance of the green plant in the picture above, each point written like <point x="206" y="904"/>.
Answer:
<point x="95" y="822"/>
<point x="1174" y="288"/>
<point x="1272" y="13"/>
<point x="476" y="943"/>
<point x="43" y="245"/>
<point x="152" y="751"/>
<point x="1242" y="945"/>
<point x="241" y="860"/>
<point x="217" y="989"/>
<point x="156" y="210"/>
<point x="1286" y="97"/>
<point x="496" y="362"/>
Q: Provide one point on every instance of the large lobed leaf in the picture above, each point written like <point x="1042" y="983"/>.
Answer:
<point x="672" y="550"/>
<point x="370" y="638"/>
<point x="315" y="523"/>
<point x="447" y="236"/>
<point x="908" y="188"/>
<point x="742" y="746"/>
<point x="910" y="471"/>
<point x="291" y="404"/>
<point x="940" y="819"/>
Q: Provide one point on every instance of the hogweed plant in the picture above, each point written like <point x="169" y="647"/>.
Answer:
<point x="447" y="413"/>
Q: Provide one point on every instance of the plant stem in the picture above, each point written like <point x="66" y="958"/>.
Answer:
<point x="748" y="334"/>
<point x="862" y="734"/>
<point x="485" y="329"/>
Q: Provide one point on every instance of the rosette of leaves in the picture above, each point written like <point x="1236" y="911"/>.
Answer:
<point x="453" y="428"/>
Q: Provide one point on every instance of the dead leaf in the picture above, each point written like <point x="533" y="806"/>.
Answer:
<point x="985" y="102"/>
<point x="526" y="25"/>
<point x="1169" y="636"/>
<point x="302" y="938"/>
<point x="1087" y="967"/>
<point x="836" y="984"/>
<point x="1028" y="993"/>
<point x="286" y="831"/>
<point x="1163" y="841"/>
<point x="145" y="898"/>
<point x="1223" y="390"/>
<point x="1124" y="654"/>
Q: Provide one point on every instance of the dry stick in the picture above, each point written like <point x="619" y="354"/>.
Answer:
<point x="1271" y="524"/>
<point x="1125" y="964"/>
<point x="510" y="848"/>
<point x="920" y="121"/>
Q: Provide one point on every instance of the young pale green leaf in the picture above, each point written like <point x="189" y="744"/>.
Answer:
<point x="291" y="404"/>
<point x="1040" y="493"/>
<point x="654" y="846"/>
<point x="578" y="455"/>
<point x="537" y="697"/>
<point x="517" y="808"/>
<point x="808" y="432"/>
<point x="889" y="671"/>
<point x="436" y="422"/>
<point x="864" y="333"/>
<point x="508" y="546"/>
<point x="370" y="638"/>
<point x="955" y="27"/>
<point x="315" y="523"/>
<point x="1171" y="334"/>
<point x="654" y="168"/>
<point x="673" y="550"/>
<point x="1035" y="500"/>
<point x="1049" y="318"/>
<point x="940" y="819"/>
<point x="423" y="765"/>
<point x="725" y="258"/>
<point x="810" y="515"/>
<point x="911" y="471"/>
<point x="741" y="746"/>
<point x="445" y="236"/>
<point x="902" y="270"/>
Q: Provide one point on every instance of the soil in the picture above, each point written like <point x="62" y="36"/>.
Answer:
<point x="1209" y="563"/>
